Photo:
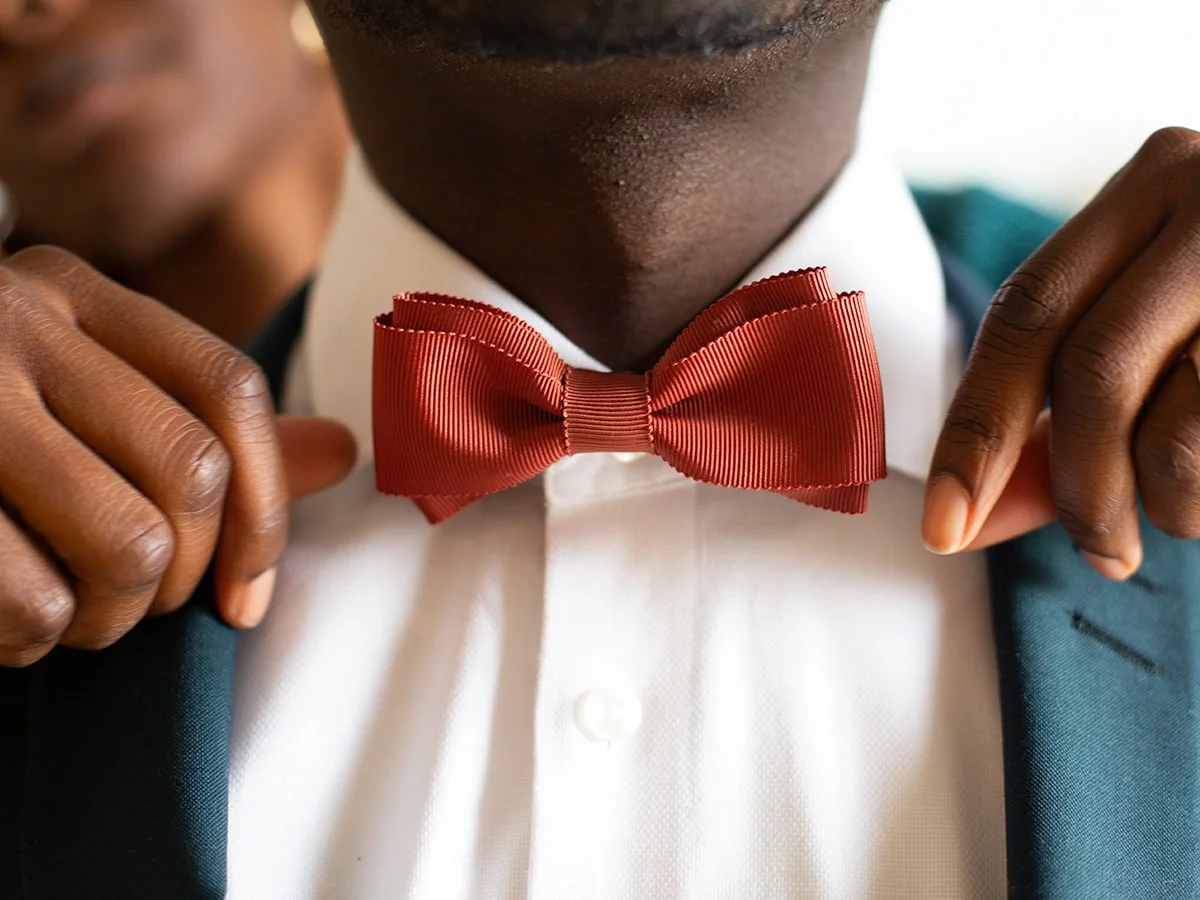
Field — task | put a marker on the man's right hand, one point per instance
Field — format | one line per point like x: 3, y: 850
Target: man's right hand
x: 134, y: 446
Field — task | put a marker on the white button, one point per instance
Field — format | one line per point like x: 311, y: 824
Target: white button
x: 608, y: 714
x: 627, y: 457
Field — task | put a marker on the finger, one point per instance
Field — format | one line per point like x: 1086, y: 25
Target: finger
x: 36, y: 602
x: 1167, y: 454
x: 150, y: 439
x: 230, y: 394
x: 318, y: 453
x: 1027, y: 502
x: 222, y: 387
x: 111, y: 540
x: 1108, y: 366
x: 1007, y: 377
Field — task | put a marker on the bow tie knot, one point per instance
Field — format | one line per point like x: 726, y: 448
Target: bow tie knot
x: 606, y: 412
x: 775, y: 387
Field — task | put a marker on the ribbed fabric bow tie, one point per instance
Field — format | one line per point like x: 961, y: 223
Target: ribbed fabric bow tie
x: 775, y: 387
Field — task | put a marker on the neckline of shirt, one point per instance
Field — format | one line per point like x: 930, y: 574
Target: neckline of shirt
x: 866, y: 230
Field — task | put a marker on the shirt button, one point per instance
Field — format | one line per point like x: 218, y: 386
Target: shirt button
x: 627, y: 457
x: 608, y: 714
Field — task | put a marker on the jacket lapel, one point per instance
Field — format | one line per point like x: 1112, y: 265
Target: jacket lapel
x: 1098, y: 692
x: 115, y: 780
x: 1099, y: 696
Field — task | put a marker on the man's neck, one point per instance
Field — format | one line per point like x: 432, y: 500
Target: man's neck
x: 618, y: 199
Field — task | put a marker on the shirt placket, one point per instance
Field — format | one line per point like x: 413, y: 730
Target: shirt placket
x: 612, y: 719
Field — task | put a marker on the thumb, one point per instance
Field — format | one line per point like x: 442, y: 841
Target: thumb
x: 1026, y: 502
x: 317, y: 453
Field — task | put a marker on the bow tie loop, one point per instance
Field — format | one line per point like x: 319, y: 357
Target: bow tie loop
x: 783, y: 402
x: 466, y: 400
x: 775, y: 387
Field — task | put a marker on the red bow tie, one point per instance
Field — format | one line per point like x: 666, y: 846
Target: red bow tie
x: 775, y: 387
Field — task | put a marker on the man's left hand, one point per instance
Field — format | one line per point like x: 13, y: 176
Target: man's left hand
x: 1103, y: 322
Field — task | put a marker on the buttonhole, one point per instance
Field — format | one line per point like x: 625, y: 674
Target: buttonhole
x: 1088, y: 628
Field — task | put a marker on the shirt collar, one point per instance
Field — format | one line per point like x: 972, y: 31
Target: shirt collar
x: 866, y: 230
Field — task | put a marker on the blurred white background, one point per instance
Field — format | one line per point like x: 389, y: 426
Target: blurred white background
x: 1043, y: 98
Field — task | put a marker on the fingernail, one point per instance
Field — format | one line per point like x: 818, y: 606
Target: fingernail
x: 947, y: 506
x: 1110, y: 567
x: 249, y: 603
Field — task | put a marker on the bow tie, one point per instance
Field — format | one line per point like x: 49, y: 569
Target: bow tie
x: 775, y: 387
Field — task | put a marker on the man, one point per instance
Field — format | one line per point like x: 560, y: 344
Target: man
x: 613, y: 680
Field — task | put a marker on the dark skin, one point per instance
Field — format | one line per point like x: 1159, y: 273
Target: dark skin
x: 618, y: 193
x: 1101, y: 322
x: 618, y: 200
x: 128, y: 136
x: 193, y: 151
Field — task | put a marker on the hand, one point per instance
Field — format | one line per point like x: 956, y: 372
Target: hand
x: 134, y: 446
x: 1100, y: 321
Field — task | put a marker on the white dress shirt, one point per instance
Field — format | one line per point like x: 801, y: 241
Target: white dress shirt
x: 613, y: 683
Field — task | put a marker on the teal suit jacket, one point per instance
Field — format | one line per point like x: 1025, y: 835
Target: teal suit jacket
x: 113, y: 766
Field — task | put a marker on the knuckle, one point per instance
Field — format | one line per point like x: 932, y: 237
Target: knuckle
x: 139, y: 558
x: 1027, y: 306
x: 1089, y: 524
x: 44, y: 258
x: 268, y: 530
x: 1168, y: 146
x: 50, y: 267
x: 11, y: 295
x: 40, y: 619
x: 975, y: 425
x: 38, y: 287
x: 1168, y: 463
x: 20, y: 310
x: 1091, y: 372
x: 239, y: 382
x: 207, y: 468
x: 1169, y: 458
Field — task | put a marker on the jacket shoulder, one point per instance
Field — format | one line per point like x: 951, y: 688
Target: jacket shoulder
x: 986, y: 232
